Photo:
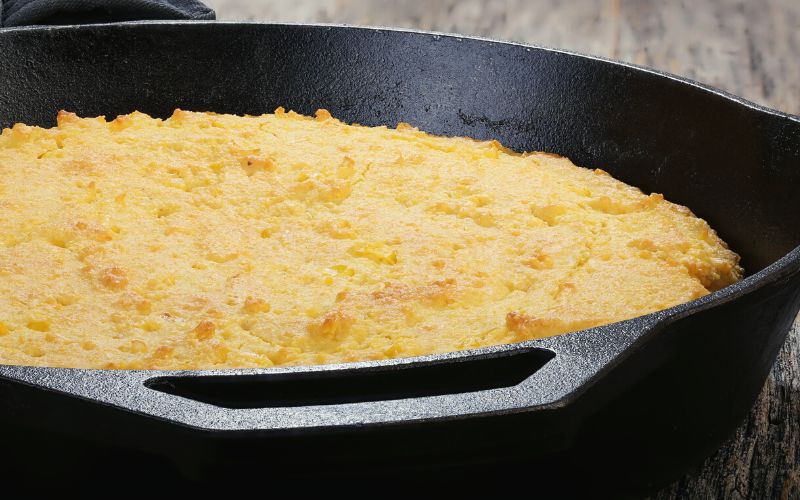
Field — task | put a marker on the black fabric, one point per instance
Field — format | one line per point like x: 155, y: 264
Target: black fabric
x: 28, y: 12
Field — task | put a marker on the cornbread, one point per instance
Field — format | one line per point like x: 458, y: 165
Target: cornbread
x: 210, y: 241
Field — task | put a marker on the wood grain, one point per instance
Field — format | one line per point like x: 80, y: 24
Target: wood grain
x: 748, y: 48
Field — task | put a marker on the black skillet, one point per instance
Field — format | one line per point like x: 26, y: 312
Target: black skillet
x: 630, y: 405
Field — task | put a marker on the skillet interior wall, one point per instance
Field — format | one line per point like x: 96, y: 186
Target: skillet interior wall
x: 732, y: 165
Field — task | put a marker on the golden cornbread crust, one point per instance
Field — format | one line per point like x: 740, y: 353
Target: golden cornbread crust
x: 215, y: 241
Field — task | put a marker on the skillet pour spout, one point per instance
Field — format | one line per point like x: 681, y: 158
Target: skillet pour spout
x: 628, y: 407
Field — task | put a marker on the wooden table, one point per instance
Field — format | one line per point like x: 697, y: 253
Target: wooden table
x: 748, y: 48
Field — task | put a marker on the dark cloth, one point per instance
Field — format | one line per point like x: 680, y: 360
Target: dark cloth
x: 28, y: 12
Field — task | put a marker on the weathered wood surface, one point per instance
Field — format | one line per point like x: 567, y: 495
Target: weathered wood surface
x: 749, y: 48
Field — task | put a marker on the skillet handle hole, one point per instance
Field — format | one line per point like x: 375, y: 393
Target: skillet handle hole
x: 330, y: 387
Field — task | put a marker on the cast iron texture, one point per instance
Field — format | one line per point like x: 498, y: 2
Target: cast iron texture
x: 635, y: 403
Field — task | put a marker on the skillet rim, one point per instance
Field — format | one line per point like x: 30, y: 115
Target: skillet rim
x: 457, y: 36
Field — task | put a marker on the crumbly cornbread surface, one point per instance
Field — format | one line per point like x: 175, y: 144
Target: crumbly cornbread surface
x: 211, y: 241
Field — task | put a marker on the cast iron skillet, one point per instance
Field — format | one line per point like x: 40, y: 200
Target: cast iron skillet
x: 631, y: 404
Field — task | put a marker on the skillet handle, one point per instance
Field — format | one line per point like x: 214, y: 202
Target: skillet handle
x: 562, y: 368
x: 49, y: 12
